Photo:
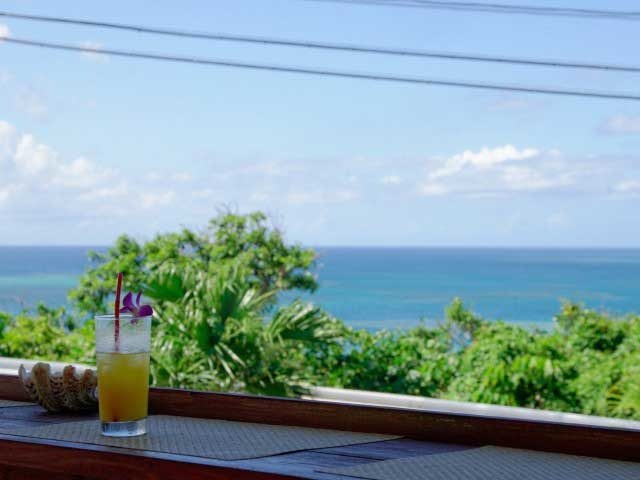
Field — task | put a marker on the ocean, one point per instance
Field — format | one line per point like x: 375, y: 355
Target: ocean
x: 377, y: 288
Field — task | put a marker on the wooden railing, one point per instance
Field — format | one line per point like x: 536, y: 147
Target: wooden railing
x: 596, y: 441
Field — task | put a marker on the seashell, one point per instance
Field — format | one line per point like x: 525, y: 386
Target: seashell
x: 60, y: 391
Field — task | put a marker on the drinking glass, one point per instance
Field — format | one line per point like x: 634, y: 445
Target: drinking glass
x: 122, y: 351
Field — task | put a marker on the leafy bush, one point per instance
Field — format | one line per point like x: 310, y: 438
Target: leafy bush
x: 48, y: 335
x: 415, y: 362
x: 508, y: 365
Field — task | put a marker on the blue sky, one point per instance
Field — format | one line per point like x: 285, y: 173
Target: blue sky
x: 91, y: 146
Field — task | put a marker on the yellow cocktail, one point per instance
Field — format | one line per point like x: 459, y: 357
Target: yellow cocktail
x: 122, y: 354
x: 123, y: 391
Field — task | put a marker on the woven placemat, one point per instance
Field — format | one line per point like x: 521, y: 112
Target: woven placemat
x: 495, y: 463
x: 12, y: 403
x: 219, y: 439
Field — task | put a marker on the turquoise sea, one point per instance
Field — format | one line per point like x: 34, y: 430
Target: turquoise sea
x: 396, y: 287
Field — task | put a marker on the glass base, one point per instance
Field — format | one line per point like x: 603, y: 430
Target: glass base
x: 124, y: 429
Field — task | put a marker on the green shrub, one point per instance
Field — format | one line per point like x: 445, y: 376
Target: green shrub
x: 48, y: 335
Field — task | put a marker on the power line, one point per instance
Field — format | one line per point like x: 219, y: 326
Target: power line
x: 499, y: 8
x: 325, y: 72
x: 563, y: 11
x: 328, y: 46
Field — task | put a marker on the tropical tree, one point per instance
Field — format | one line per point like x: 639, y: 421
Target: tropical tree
x: 248, y: 241
x: 211, y: 332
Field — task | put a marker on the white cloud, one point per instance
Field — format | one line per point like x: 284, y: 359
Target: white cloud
x: 31, y: 158
x: 4, y: 31
x: 85, y: 200
x: 25, y: 161
x: 622, y: 125
x: 35, y: 181
x: 391, y: 180
x: 485, y: 158
x: 30, y: 161
x: 497, y: 171
x: 81, y: 173
x: 91, y: 51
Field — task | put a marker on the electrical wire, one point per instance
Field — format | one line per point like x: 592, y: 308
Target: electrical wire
x: 329, y: 46
x: 498, y: 8
x: 325, y: 72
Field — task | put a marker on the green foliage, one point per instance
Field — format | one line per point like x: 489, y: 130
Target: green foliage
x: 470, y: 359
x: 272, y: 264
x: 589, y: 330
x: 608, y: 367
x: 218, y: 326
x: 509, y: 365
x: 243, y: 241
x: 47, y: 334
x: 462, y: 322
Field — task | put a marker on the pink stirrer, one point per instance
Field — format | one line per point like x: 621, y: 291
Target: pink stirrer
x: 117, y: 311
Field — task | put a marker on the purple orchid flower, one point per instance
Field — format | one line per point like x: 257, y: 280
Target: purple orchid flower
x: 135, y: 309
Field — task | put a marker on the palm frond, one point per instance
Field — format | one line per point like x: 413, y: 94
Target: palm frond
x: 303, y: 322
